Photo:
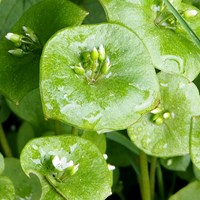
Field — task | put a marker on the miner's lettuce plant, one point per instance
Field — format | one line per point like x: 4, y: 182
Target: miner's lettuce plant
x: 93, y: 91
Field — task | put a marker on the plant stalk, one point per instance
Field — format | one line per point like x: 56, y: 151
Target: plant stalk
x: 160, y: 183
x: 4, y: 143
x: 152, y: 176
x: 183, y: 22
x: 145, y: 183
x: 74, y: 131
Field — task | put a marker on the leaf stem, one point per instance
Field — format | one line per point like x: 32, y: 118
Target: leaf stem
x: 152, y: 175
x: 4, y: 143
x: 183, y: 22
x: 74, y: 131
x: 160, y: 182
x: 145, y: 183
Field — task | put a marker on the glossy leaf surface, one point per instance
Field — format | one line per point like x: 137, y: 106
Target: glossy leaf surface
x: 181, y: 99
x: 92, y: 179
x: 115, y: 100
x: 171, y: 50
x: 19, y: 75
x: 25, y: 188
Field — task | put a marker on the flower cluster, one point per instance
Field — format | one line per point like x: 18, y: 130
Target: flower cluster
x: 94, y: 64
x: 24, y: 44
x: 159, y: 115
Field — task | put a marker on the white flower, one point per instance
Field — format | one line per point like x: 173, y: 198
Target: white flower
x: 111, y: 167
x: 61, y: 164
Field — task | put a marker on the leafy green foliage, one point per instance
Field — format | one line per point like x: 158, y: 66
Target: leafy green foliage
x: 180, y: 98
x: 145, y: 18
x: 111, y: 102
x: 92, y: 178
x: 18, y: 76
x: 7, y: 189
x: 2, y: 165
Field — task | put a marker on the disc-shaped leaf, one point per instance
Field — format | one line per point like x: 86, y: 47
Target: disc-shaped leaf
x: 112, y: 102
x: 170, y: 48
x: 50, y: 157
x: 194, y: 141
x: 7, y: 190
x: 19, y: 75
x: 167, y: 133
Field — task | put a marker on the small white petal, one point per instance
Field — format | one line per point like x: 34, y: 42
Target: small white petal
x: 9, y: 35
x: 111, y: 167
x: 105, y: 156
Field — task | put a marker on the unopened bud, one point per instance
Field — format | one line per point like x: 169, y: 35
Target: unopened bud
x: 17, y: 52
x: 166, y: 115
x: 30, y: 33
x: 102, y: 53
x: 15, y: 38
x: 159, y: 121
x: 73, y: 169
x: 190, y: 13
x: 78, y: 70
x: 85, y: 56
x: 156, y: 110
x: 94, y: 54
x: 106, y: 66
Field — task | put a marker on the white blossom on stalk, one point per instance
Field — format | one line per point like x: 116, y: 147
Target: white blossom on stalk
x: 61, y: 164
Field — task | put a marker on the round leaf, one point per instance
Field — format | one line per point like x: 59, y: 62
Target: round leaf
x: 25, y: 188
x: 171, y: 50
x: 18, y: 76
x: 93, y: 179
x: 7, y: 190
x: 181, y: 99
x: 115, y: 100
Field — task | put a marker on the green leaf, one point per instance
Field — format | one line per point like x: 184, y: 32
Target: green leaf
x: 4, y: 110
x: 98, y: 139
x: 25, y: 188
x: 179, y: 163
x: 7, y: 190
x: 92, y: 178
x: 24, y: 134
x: 194, y: 141
x: 191, y: 191
x: 11, y: 11
x: 180, y: 99
x: 171, y: 50
x: 19, y: 75
x: 2, y: 165
x: 109, y: 102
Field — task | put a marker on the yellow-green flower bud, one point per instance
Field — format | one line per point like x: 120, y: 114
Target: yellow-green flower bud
x: 190, y: 13
x: 78, y: 70
x: 94, y: 54
x: 156, y: 110
x: 15, y: 38
x: 159, y: 121
x: 85, y: 56
x: 17, y: 52
x: 166, y: 115
x: 106, y: 66
x: 102, y: 53
x: 30, y: 33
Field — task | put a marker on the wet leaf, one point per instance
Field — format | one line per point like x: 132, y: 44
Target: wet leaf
x: 45, y: 156
x: 112, y: 102
x: 170, y: 48
x: 180, y: 98
x: 7, y: 190
x: 19, y: 75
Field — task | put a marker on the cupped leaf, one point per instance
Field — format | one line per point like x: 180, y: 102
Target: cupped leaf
x: 7, y: 190
x: 191, y: 191
x: 89, y: 98
x: 178, y: 163
x: 2, y: 165
x: 19, y: 75
x: 69, y: 167
x: 194, y: 141
x: 11, y: 11
x: 165, y: 131
x: 170, y: 48
x: 25, y: 188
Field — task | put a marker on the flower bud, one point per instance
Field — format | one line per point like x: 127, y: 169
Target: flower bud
x: 106, y: 66
x: 156, y: 110
x: 78, y: 70
x: 102, y: 53
x: 17, y: 52
x: 159, y: 121
x: 15, y: 38
x: 94, y: 54
x: 190, y: 13
x: 30, y: 33
x: 166, y: 115
x: 85, y: 56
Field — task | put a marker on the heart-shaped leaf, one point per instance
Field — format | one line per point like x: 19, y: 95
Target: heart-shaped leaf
x: 167, y: 42
x: 102, y: 93
x: 165, y: 131
x: 19, y: 75
x: 69, y: 167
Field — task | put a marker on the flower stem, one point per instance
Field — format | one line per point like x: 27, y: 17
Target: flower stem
x: 152, y: 175
x: 74, y: 131
x: 160, y: 183
x: 145, y: 183
x: 4, y: 143
x: 183, y: 22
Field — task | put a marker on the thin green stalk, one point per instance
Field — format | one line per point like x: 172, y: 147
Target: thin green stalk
x: 160, y: 183
x: 152, y: 175
x: 183, y: 23
x: 74, y: 131
x: 144, y: 180
x: 4, y: 143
